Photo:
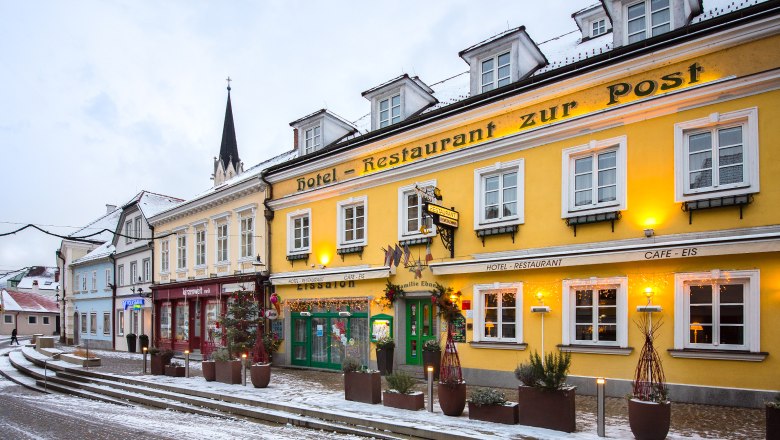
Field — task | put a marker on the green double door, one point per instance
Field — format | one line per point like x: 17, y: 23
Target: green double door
x: 419, y: 328
x: 313, y: 344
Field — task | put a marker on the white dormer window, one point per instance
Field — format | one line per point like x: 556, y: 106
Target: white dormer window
x: 496, y: 72
x: 598, y: 27
x: 648, y: 18
x: 312, y: 140
x: 389, y: 111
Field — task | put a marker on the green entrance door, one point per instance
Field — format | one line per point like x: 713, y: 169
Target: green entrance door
x: 313, y: 344
x: 419, y: 328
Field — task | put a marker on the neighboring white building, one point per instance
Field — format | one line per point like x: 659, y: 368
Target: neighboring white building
x: 77, y: 245
x: 132, y: 275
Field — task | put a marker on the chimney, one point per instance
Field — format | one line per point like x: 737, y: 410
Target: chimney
x: 57, y: 275
x: 295, y: 138
x: 35, y: 286
x: 110, y: 208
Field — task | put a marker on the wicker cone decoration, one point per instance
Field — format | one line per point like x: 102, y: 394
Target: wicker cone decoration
x: 450, y: 372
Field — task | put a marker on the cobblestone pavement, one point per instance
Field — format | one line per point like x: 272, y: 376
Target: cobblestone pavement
x: 694, y: 421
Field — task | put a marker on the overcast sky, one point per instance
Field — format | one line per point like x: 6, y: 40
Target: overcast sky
x: 100, y: 100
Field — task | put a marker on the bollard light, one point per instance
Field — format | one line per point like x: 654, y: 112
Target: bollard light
x: 243, y: 365
x: 600, y: 396
x: 430, y: 389
x: 144, y: 350
x: 186, y: 363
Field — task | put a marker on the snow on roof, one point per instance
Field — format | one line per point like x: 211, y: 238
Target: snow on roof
x: 560, y: 51
x: 11, y: 275
x: 108, y: 221
x: 45, y: 277
x: 101, y: 251
x: 251, y: 173
x: 14, y: 301
x: 152, y: 204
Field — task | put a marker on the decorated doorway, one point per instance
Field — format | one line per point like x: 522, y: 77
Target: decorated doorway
x: 313, y: 341
x: 419, y: 328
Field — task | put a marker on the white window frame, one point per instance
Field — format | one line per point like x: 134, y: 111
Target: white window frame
x: 748, y: 118
x: 247, y: 236
x: 94, y: 281
x: 137, y: 228
x: 76, y: 281
x: 147, y: 269
x: 93, y: 323
x: 648, y: 20
x: 483, y: 87
x: 403, y: 234
x: 480, y: 175
x: 8, y: 319
x: 45, y: 320
x: 569, y: 310
x: 120, y: 322
x: 133, y: 272
x: 223, y: 242
x: 341, y: 232
x: 120, y: 275
x: 83, y: 282
x: 200, y: 247
x: 598, y: 27
x: 108, y: 278
x: 84, y: 324
x: 106, y: 323
x: 479, y: 312
x: 181, y: 251
x: 752, y: 308
x: 312, y: 138
x: 291, y: 217
x: 165, y: 256
x: 128, y: 231
x: 32, y: 319
x: 381, y: 123
x: 620, y: 146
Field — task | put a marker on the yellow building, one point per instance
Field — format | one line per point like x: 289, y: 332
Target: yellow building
x: 208, y: 247
x: 630, y: 168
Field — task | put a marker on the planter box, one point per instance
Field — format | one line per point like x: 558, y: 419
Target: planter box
x: 649, y: 420
x: 158, y: 364
x: 363, y: 387
x: 507, y: 414
x: 412, y: 402
x: 45, y: 342
x: 772, y: 423
x: 78, y: 360
x: 174, y: 371
x: 547, y: 409
x: 452, y: 399
x: 431, y: 358
x: 261, y: 375
x: 384, y: 360
x: 228, y: 372
x: 209, y: 370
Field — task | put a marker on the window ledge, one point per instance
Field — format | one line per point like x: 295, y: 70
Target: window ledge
x: 595, y: 349
x: 414, y: 241
x: 246, y: 259
x: 181, y: 270
x: 723, y: 355
x: 200, y: 266
x: 499, y: 345
x: 302, y: 255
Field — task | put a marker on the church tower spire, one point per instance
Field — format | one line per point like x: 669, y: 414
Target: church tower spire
x: 228, y: 164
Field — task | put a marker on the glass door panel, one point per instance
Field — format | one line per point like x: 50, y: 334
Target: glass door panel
x: 299, y: 341
x: 320, y: 338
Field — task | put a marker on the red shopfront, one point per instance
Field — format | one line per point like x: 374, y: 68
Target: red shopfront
x: 187, y: 315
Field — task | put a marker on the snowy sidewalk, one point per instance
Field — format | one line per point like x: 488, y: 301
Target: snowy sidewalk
x: 323, y: 390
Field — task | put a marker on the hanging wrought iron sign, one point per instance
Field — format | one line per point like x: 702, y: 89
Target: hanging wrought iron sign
x: 447, y: 221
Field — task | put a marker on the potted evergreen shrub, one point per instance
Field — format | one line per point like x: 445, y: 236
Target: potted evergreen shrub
x: 773, y: 419
x: 143, y: 340
x: 159, y: 359
x: 431, y: 352
x: 452, y: 387
x: 649, y: 408
x: 239, y: 326
x: 260, y: 370
x: 360, y: 383
x: 174, y: 369
x: 544, y: 399
x: 400, y: 392
x: 385, y: 349
x: 131, y: 342
x: 490, y: 405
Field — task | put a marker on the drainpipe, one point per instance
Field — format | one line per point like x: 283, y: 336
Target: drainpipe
x: 64, y: 338
x: 153, y: 324
x: 268, y: 213
x: 113, y: 303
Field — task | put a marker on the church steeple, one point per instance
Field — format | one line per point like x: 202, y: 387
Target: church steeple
x: 228, y: 164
